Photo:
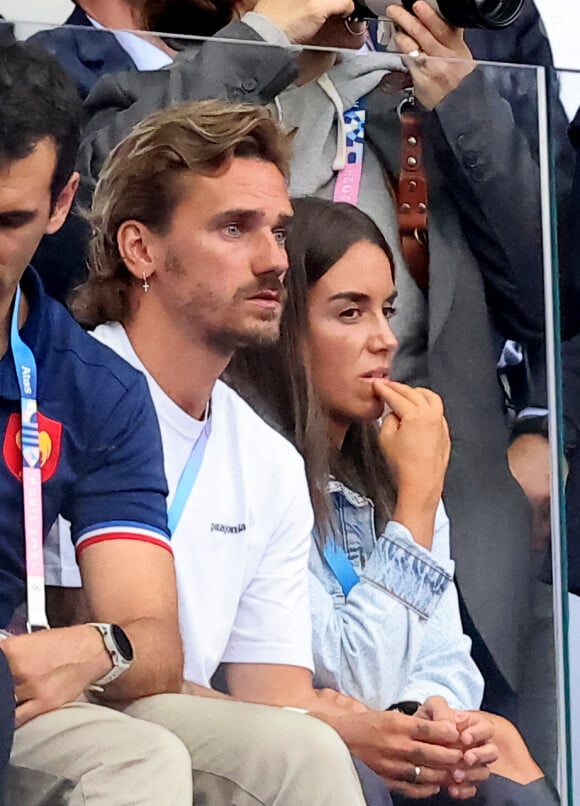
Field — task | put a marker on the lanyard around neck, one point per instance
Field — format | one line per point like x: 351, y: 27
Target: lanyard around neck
x: 349, y: 179
x: 188, y: 477
x: 26, y: 372
x: 340, y: 565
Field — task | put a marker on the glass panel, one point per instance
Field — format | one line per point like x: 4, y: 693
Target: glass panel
x: 458, y: 184
x: 565, y: 146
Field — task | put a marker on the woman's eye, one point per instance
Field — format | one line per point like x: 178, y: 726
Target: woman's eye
x: 233, y: 230
x: 350, y: 314
x: 389, y: 311
x: 280, y: 236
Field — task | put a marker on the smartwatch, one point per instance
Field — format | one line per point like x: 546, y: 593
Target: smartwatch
x: 119, y: 648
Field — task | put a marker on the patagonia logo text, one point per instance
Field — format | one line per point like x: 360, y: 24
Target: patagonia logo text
x: 228, y: 530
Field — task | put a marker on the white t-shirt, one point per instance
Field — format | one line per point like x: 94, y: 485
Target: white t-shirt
x: 241, y: 546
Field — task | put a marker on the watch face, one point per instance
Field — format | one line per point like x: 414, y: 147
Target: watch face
x: 122, y: 642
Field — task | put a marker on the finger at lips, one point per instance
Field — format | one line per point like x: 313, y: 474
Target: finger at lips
x: 415, y: 396
x: 400, y: 404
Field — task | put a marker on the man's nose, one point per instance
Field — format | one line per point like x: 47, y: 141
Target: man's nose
x: 270, y: 255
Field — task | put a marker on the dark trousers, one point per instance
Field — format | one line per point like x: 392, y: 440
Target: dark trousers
x: 6, y: 719
x: 374, y: 788
x: 497, y: 791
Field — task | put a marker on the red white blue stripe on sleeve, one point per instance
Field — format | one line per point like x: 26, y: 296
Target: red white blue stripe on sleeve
x: 122, y: 530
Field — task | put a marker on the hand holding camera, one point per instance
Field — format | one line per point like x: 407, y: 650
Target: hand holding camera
x: 426, y: 33
x: 302, y: 19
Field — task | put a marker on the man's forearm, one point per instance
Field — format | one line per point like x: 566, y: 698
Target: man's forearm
x: 158, y: 664
x: 187, y: 687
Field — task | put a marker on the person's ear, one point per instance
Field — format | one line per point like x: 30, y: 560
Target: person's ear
x: 138, y: 248
x: 63, y: 203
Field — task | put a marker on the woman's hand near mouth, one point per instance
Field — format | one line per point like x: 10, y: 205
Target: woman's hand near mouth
x: 414, y: 438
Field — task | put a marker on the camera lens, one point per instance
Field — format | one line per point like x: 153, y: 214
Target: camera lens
x: 490, y: 14
x: 462, y: 13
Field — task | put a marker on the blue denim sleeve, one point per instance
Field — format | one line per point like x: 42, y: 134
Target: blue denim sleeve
x: 368, y: 645
x: 444, y: 665
x: 403, y: 569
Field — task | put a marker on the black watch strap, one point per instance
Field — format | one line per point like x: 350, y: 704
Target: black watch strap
x: 408, y: 707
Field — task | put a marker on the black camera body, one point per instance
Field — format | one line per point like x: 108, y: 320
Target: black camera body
x: 491, y: 14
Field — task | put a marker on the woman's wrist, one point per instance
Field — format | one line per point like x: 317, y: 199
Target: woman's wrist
x: 417, y: 514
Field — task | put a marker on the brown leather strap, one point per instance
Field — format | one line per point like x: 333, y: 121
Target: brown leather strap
x: 411, y: 191
x: 412, y: 197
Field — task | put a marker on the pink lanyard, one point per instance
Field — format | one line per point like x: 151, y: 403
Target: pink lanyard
x: 25, y: 365
x: 349, y: 179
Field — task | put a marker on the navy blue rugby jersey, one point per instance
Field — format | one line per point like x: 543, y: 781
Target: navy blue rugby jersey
x: 101, y: 454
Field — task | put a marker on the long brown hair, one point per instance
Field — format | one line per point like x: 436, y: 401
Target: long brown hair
x: 276, y: 381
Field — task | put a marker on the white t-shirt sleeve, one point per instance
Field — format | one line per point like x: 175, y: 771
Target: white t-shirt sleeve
x: 273, y: 623
x: 61, y: 569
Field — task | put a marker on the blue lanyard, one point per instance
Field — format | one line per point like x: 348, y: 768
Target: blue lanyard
x: 188, y: 478
x: 26, y: 372
x: 24, y: 360
x: 340, y: 565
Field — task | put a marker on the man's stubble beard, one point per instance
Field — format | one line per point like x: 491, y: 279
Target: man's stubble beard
x: 228, y: 340
x: 256, y: 335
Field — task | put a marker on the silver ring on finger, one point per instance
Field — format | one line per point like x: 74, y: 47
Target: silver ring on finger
x: 417, y: 775
x: 417, y: 55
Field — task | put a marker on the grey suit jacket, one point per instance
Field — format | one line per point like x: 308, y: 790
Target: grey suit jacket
x: 212, y: 70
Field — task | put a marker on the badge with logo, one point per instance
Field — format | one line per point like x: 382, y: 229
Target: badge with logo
x: 50, y: 436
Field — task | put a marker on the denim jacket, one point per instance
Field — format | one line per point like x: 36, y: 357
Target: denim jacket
x: 397, y: 636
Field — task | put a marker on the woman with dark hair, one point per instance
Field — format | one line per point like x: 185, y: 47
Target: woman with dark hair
x: 386, y: 619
